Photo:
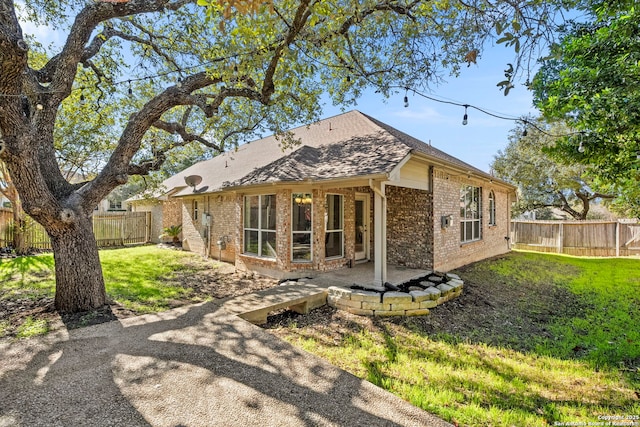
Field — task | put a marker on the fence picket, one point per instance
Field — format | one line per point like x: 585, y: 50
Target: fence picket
x: 111, y: 229
x: 581, y: 238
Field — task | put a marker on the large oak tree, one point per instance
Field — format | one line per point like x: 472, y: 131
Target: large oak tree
x: 544, y: 181
x: 134, y: 80
x: 592, y: 83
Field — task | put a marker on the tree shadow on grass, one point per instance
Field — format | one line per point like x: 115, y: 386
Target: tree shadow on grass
x: 191, y: 366
x: 20, y: 266
x: 509, y: 383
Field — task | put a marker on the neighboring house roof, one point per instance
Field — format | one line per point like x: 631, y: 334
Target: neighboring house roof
x: 344, y: 146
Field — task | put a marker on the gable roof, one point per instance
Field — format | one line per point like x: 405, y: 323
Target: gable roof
x: 344, y: 146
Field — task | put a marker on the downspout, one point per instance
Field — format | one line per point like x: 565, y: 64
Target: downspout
x: 207, y: 247
x: 510, y: 201
x: 380, y: 219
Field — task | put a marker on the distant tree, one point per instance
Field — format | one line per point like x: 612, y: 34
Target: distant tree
x: 542, y: 180
x: 591, y: 82
x: 136, y: 79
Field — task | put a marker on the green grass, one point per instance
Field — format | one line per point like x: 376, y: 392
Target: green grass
x: 32, y: 327
x: 501, y: 373
x: 606, y: 329
x: 139, y: 278
x: 588, y: 364
x: 28, y: 277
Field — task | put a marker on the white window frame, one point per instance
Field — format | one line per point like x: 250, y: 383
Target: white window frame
x: 492, y: 208
x: 470, y: 213
x: 339, y: 230
x: 194, y: 209
x: 306, y: 199
x: 260, y: 230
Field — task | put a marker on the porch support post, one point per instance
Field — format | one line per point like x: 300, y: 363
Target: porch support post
x: 380, y: 224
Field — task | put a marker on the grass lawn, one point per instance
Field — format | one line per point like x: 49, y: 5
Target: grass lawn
x: 136, y: 277
x: 138, y: 280
x: 535, y: 340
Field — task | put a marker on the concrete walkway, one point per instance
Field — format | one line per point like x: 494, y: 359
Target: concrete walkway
x: 193, y: 366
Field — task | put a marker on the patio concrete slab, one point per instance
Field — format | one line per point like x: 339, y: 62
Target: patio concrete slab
x: 193, y: 366
x: 362, y: 274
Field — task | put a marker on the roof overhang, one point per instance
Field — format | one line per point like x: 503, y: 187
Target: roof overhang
x: 356, y: 181
x: 458, y: 170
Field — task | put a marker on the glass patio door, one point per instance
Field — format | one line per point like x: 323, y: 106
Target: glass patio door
x: 362, y: 227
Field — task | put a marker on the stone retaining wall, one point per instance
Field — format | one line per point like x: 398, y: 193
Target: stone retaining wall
x: 390, y: 303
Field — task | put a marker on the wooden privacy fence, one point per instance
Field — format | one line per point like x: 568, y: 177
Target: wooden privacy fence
x: 580, y: 238
x: 111, y: 229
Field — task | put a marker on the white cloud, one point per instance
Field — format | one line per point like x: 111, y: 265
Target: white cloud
x: 423, y: 113
x: 44, y: 34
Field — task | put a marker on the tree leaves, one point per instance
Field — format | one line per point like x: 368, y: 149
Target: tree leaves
x: 543, y: 180
x: 592, y: 82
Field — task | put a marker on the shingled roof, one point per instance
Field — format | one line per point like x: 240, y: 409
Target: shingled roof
x: 344, y: 146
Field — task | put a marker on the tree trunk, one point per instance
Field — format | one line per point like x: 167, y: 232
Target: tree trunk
x: 79, y: 281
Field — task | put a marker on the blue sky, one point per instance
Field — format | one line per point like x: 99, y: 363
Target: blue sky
x: 479, y: 141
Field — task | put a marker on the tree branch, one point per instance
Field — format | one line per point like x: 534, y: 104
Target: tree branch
x: 186, y: 136
x: 302, y: 14
x: 75, y: 48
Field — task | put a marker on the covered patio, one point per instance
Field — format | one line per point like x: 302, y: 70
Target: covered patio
x: 363, y: 274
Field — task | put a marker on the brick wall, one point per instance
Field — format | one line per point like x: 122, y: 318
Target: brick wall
x: 194, y: 233
x: 171, y: 213
x: 224, y: 219
x: 415, y: 237
x: 409, y: 227
x: 449, y: 253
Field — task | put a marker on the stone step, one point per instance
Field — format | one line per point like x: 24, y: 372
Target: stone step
x: 255, y: 307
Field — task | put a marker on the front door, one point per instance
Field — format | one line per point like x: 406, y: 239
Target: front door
x: 362, y: 227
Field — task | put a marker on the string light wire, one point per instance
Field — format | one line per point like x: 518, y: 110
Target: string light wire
x: 466, y: 106
x: 488, y: 113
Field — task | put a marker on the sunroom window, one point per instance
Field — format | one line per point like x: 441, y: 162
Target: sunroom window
x: 334, y: 241
x: 260, y: 225
x: 470, y: 214
x: 492, y: 208
x: 301, y: 229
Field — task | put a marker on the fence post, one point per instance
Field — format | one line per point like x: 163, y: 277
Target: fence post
x: 617, y: 238
x: 147, y: 228
x: 560, y: 237
x: 122, y: 219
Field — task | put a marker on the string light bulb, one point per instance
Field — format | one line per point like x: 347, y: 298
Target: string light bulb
x: 130, y: 91
x: 406, y: 101
x: 580, y: 148
x: 39, y: 106
x: 465, y: 118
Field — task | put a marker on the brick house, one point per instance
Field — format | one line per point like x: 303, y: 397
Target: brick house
x: 354, y: 190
